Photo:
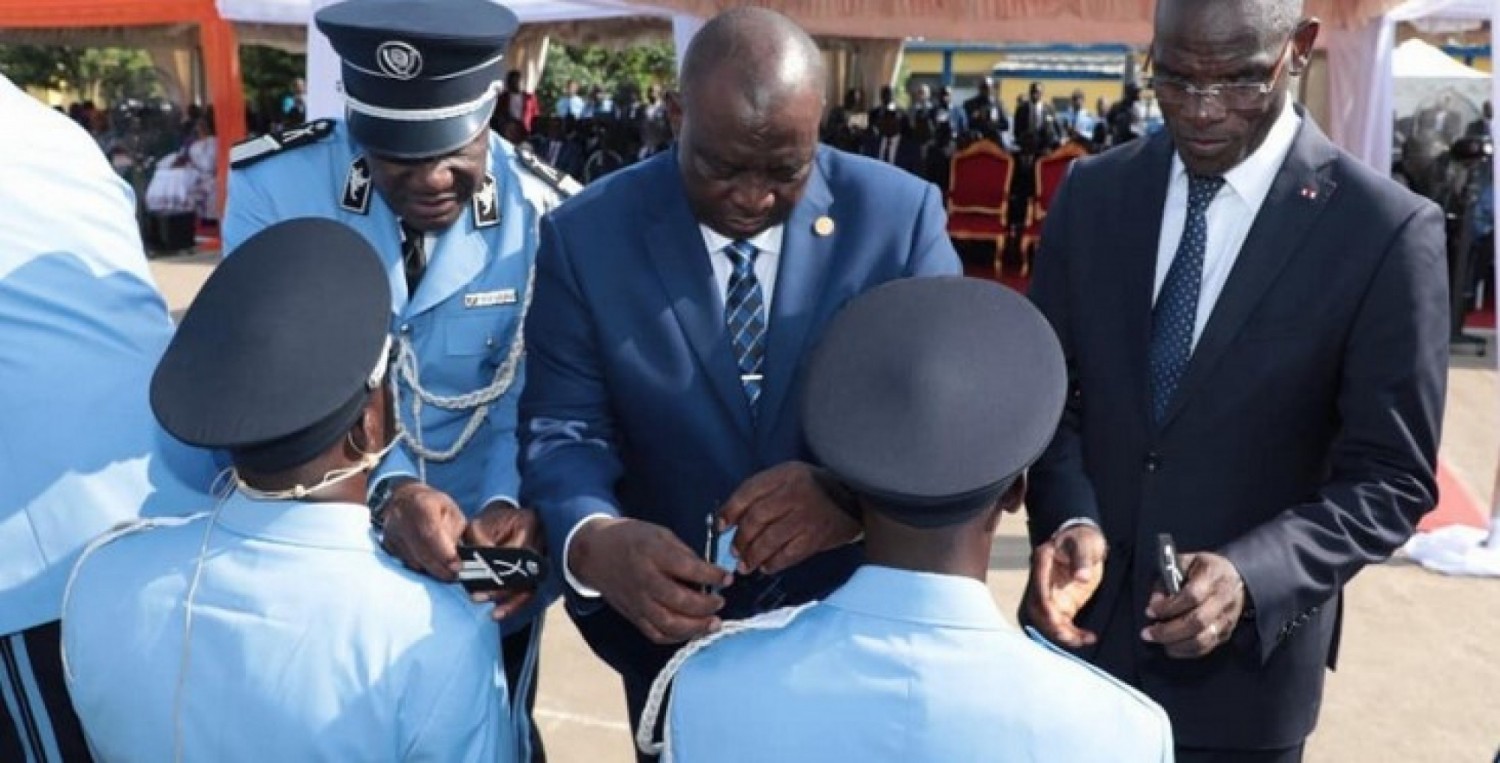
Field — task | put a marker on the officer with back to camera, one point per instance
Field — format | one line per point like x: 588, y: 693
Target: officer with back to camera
x: 453, y: 211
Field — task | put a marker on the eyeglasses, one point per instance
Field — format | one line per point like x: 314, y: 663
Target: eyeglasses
x: 1173, y: 92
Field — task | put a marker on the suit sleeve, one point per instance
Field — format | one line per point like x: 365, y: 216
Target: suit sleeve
x: 250, y: 208
x: 1383, y: 475
x: 569, y: 462
x: 1058, y: 488
x: 932, y: 251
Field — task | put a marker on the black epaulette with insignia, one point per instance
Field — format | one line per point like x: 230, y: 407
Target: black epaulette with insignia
x: 560, y: 181
x: 248, y: 152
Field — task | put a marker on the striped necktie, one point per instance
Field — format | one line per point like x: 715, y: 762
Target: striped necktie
x: 413, y: 256
x: 745, y: 314
x: 1176, y: 312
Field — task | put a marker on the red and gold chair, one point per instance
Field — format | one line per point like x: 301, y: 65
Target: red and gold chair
x: 979, y: 193
x: 1050, y: 171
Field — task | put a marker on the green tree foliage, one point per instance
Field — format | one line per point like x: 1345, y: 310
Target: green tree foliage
x: 638, y: 65
x: 103, y: 75
x: 268, y: 74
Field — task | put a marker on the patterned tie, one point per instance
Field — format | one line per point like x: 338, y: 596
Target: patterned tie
x: 413, y: 256
x: 1176, y: 309
x: 745, y: 313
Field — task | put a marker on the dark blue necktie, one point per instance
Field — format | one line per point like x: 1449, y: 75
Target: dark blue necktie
x: 1176, y: 308
x: 745, y: 313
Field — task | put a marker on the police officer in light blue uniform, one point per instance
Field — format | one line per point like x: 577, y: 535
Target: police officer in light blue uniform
x: 453, y: 211
x: 81, y: 327
x: 272, y: 627
x: 928, y: 397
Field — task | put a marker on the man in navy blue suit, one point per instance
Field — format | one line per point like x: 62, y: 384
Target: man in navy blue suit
x: 1256, y: 333
x: 675, y: 302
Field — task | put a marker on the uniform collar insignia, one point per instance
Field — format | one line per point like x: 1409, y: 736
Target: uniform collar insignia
x: 486, y: 204
x: 356, y: 195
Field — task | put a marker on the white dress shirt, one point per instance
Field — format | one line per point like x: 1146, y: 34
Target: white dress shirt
x: 1229, y: 215
x: 767, y: 264
x: 1229, y: 218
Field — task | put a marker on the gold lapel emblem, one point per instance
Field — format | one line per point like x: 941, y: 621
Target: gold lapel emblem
x: 823, y: 226
x: 486, y: 204
x: 356, y: 196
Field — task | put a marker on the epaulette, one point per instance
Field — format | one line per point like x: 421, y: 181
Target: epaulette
x: 645, y: 734
x: 559, y: 181
x: 248, y: 152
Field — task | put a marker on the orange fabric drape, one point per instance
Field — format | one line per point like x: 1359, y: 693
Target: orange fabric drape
x: 216, y: 38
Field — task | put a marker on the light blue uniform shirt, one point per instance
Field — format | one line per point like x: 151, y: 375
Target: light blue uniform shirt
x: 81, y: 329
x: 904, y: 666
x: 464, y: 317
x: 308, y: 643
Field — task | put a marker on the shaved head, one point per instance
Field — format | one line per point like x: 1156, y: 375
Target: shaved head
x: 762, y: 54
x: 752, y: 102
x: 1275, y: 20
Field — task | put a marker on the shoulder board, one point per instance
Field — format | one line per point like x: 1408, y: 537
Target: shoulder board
x: 127, y: 527
x: 560, y: 182
x: 645, y: 733
x: 1037, y: 638
x: 248, y: 152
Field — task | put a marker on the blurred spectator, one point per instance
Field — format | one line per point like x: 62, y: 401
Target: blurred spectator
x: 570, y: 104
x: 599, y: 104
x: 887, y: 103
x: 891, y: 144
x: 516, y: 104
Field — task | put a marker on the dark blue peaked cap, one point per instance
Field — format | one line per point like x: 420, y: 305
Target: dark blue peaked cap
x: 929, y: 396
x: 420, y: 77
x: 273, y: 359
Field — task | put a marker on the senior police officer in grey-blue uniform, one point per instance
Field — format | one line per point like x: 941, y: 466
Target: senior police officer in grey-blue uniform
x: 929, y: 398
x: 271, y: 626
x: 453, y: 211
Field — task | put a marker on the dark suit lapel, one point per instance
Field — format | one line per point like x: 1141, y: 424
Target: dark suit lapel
x: 800, y: 276
x: 681, y: 261
x: 1298, y: 195
x: 1141, y: 213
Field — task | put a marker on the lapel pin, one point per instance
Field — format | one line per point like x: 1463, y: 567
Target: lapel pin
x: 823, y: 226
x: 1309, y: 193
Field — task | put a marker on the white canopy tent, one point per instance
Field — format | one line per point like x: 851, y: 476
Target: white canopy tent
x: 1420, y: 71
x: 1361, y: 78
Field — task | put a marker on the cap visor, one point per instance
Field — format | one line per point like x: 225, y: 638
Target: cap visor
x: 417, y: 140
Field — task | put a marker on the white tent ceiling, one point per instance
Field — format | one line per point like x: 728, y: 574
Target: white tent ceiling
x: 1417, y: 59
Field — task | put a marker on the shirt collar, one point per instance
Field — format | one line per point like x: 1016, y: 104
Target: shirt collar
x: 768, y: 240
x: 949, y: 601
x: 299, y: 523
x: 1251, y: 179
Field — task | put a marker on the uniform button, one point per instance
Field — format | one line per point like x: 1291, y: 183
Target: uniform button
x: 1153, y: 462
x: 489, y: 341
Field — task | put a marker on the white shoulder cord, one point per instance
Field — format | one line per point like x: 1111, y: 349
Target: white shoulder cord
x: 407, y: 370
x: 645, y: 734
x: 223, y: 487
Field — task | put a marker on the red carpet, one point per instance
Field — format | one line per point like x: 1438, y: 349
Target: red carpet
x: 207, y: 237
x: 1457, y: 505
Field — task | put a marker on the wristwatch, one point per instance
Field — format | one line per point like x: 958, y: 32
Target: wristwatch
x: 381, y: 496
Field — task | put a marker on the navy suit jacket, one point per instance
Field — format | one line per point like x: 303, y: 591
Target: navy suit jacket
x: 633, y: 404
x: 1301, y: 443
